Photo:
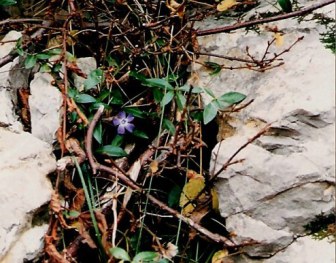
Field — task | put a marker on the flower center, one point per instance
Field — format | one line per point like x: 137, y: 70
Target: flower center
x: 123, y: 122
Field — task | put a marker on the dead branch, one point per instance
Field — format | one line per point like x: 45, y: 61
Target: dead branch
x: 249, y: 141
x: 229, y: 28
x: 120, y: 175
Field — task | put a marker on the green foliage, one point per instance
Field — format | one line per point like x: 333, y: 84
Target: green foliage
x: 286, y: 5
x: 120, y: 253
x: 141, y: 257
x: 322, y: 226
x: 220, y: 103
x: 95, y: 77
x: 328, y: 38
x: 7, y: 2
x: 113, y: 151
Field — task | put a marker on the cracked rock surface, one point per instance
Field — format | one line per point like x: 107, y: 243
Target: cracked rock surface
x: 25, y: 162
x: 287, y: 176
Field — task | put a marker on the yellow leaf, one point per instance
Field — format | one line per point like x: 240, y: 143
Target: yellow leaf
x: 279, y: 39
x: 189, y: 192
x: 219, y: 256
x: 214, y: 200
x: 225, y: 5
x: 154, y: 166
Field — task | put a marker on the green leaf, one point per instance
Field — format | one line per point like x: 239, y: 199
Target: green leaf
x: 210, y: 112
x: 45, y: 68
x: 285, y: 5
x: 180, y: 100
x: 146, y: 256
x: 167, y: 124
x: 7, y: 2
x: 117, y: 140
x: 54, y: 51
x: 158, y: 83
x: 120, y: 253
x: 112, y: 62
x: 229, y: 99
x: 113, y: 151
x: 30, y: 61
x: 57, y: 67
x: 138, y: 76
x: 174, y: 196
x: 84, y: 98
x: 19, y: 48
x: 98, y: 133
x: 210, y: 92
x: 43, y: 56
x: 140, y: 134
x: 72, y: 92
x: 167, y: 98
x: 216, y: 68
x: 136, y: 112
x: 197, y: 116
x: 194, y: 90
x: 72, y: 214
x: 95, y: 77
x: 158, y: 95
x: 103, y: 95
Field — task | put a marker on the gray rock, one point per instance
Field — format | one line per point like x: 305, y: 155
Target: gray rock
x: 28, y: 246
x: 86, y: 64
x: 45, y: 104
x: 25, y: 162
x: 287, y: 176
x: 12, y: 77
x: 9, y: 44
x: 303, y: 250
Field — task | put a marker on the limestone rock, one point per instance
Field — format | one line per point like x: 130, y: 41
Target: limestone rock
x: 28, y: 246
x: 12, y: 77
x: 303, y: 250
x: 86, y: 64
x: 25, y: 162
x: 287, y: 176
x: 45, y: 104
x: 9, y: 44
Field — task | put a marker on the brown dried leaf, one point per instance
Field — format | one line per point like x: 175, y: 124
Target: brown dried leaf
x: 78, y: 200
x: 60, y: 139
x: 73, y: 146
x: 87, y: 238
x: 75, y: 69
x: 102, y: 225
x: 170, y: 251
x: 52, y: 252
x: 68, y: 184
x: 55, y: 203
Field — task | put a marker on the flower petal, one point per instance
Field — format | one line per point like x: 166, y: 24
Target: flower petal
x: 121, y: 129
x: 121, y: 115
x: 130, y: 118
x: 130, y: 127
x: 116, y: 121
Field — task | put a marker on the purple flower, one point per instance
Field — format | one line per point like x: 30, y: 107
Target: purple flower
x: 123, y: 122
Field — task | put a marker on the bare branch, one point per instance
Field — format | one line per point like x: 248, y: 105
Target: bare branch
x: 116, y: 174
x: 301, y: 12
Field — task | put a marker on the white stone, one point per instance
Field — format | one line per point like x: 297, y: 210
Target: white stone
x: 247, y: 228
x: 9, y: 43
x: 45, y: 104
x: 303, y: 250
x: 87, y: 65
x: 287, y: 176
x: 25, y: 162
x: 28, y: 246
